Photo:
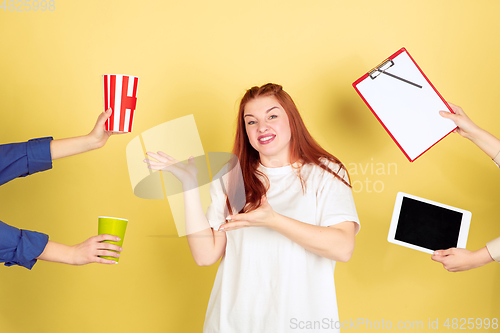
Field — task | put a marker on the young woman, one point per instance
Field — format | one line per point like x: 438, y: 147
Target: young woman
x: 279, y: 251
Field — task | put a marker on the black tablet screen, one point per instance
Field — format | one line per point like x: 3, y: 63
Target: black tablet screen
x: 428, y: 226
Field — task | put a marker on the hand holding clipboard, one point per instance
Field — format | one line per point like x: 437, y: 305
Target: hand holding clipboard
x: 406, y: 103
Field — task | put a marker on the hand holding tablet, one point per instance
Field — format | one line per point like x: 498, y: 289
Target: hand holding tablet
x: 459, y: 260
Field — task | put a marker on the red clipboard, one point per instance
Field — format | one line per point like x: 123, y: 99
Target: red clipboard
x: 406, y: 103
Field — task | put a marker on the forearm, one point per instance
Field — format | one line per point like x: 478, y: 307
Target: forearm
x: 482, y: 256
x: 329, y: 242
x: 57, y: 252
x: 72, y: 146
x: 202, y: 239
x: 486, y: 142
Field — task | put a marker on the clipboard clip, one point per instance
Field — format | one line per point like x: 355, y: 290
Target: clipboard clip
x: 383, y: 67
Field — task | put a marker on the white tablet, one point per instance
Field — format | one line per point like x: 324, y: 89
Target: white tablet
x: 426, y: 225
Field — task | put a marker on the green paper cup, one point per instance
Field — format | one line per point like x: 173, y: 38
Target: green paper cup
x: 112, y: 226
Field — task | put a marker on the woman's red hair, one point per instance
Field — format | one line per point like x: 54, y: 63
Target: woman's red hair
x: 303, y: 148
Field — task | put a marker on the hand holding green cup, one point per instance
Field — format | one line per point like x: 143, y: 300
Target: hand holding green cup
x: 112, y: 226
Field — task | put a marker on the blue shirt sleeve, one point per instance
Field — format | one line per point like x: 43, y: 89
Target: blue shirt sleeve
x: 20, y: 247
x: 24, y: 158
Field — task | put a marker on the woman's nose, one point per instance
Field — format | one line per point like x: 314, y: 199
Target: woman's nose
x: 263, y: 127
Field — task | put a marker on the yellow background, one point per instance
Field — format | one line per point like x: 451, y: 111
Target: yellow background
x: 198, y: 57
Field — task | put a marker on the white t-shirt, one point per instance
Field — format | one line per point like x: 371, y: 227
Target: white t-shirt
x: 265, y: 281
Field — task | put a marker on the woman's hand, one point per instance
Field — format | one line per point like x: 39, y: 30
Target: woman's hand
x: 71, y: 146
x: 458, y: 260
x: 466, y: 126
x: 264, y: 216
x: 90, y: 250
x: 186, y: 173
x: 98, y: 135
x: 468, y: 129
x: 83, y: 253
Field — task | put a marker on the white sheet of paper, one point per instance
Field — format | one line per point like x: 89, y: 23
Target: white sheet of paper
x: 409, y: 113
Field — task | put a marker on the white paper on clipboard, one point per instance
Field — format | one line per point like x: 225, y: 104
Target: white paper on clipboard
x: 408, y: 113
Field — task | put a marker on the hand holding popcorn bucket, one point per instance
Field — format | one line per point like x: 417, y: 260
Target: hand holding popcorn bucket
x: 120, y: 94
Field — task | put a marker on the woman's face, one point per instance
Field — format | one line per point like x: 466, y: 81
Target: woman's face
x: 268, y: 130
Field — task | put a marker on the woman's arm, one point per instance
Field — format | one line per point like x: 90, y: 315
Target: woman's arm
x: 206, y: 245
x: 71, y: 146
x: 458, y: 260
x: 455, y: 259
x: 335, y: 242
x: 26, y: 158
x: 468, y: 129
x: 83, y: 253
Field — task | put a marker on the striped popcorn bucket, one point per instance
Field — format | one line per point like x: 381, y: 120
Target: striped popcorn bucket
x: 120, y: 94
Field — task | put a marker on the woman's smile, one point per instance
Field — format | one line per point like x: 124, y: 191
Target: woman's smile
x: 266, y: 139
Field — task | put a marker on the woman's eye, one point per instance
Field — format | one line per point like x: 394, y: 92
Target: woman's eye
x: 273, y: 116
x: 251, y: 122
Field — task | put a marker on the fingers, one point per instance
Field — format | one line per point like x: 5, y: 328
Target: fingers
x: 445, y: 252
x: 230, y: 226
x: 457, y: 109
x: 90, y: 250
x: 100, y: 260
x: 160, y: 163
x: 446, y: 114
x: 107, y: 250
x: 107, y: 253
x: 104, y: 116
x: 105, y: 237
x: 155, y: 165
x: 108, y: 112
x: 170, y: 158
x: 237, y: 217
x: 438, y: 258
x: 456, y: 118
x: 162, y: 157
x: 443, y: 256
x: 108, y: 246
x: 156, y: 156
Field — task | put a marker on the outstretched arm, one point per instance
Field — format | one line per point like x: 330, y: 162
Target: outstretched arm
x: 26, y: 158
x: 97, y: 138
x: 206, y: 245
x: 455, y: 259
